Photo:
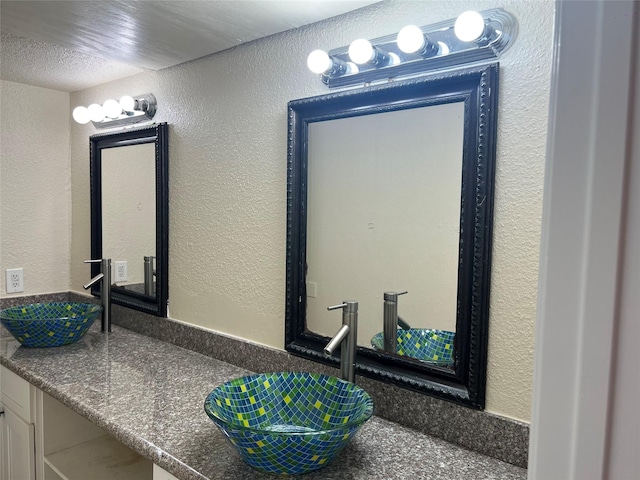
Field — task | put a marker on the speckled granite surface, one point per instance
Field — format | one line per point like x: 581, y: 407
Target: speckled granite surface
x: 149, y: 394
x: 482, y: 432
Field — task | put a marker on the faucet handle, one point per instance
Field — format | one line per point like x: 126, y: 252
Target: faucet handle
x: 349, y: 306
x: 393, y: 296
x: 336, y: 307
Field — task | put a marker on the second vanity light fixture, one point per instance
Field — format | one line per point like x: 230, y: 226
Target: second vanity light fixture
x: 114, y: 113
x: 471, y: 37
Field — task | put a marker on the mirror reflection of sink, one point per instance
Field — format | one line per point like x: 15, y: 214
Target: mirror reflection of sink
x: 425, y: 344
x: 288, y: 422
x: 49, y: 324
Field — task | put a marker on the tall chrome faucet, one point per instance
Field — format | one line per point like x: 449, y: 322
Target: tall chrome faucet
x: 391, y: 321
x: 348, y: 337
x: 149, y: 275
x: 105, y: 291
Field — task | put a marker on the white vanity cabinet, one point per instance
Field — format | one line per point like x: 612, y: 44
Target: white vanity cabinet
x: 18, y: 428
x: 44, y: 440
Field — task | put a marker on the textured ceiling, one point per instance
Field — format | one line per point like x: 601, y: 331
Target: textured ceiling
x: 72, y: 45
x: 32, y: 62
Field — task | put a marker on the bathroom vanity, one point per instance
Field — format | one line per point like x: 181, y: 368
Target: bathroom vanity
x: 125, y: 405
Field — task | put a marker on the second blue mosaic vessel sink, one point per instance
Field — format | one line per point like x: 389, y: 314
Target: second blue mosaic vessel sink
x: 49, y: 324
x: 288, y: 422
x: 429, y: 345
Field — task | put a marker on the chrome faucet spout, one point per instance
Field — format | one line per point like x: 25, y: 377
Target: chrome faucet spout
x: 336, y: 340
x: 105, y: 292
x: 347, y: 338
x: 93, y: 281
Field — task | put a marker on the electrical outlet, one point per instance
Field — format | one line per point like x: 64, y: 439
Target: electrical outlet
x: 121, y: 271
x: 15, y: 280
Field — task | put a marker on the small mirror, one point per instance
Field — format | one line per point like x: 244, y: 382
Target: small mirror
x: 129, y: 215
x: 391, y: 190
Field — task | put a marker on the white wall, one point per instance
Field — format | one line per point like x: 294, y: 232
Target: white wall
x: 585, y: 418
x: 227, y: 175
x: 129, y: 205
x: 383, y: 214
x: 35, y: 187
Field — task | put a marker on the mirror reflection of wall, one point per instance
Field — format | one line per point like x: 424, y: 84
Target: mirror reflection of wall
x: 384, y: 215
x: 129, y: 210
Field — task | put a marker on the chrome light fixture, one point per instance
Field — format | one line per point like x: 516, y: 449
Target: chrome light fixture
x: 112, y: 113
x: 472, y: 37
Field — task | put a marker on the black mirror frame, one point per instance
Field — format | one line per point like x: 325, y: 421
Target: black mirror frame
x: 159, y: 135
x: 478, y: 88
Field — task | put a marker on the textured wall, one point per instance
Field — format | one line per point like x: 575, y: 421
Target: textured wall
x: 227, y: 174
x: 35, y: 187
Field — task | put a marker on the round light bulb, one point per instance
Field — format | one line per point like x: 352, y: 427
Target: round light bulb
x: 96, y: 112
x: 81, y: 115
x: 361, y: 51
x: 112, y: 109
x: 410, y: 39
x: 127, y: 103
x: 469, y: 26
x: 443, y: 48
x: 318, y: 61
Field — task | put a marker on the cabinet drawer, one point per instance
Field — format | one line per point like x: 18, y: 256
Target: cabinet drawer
x: 16, y: 394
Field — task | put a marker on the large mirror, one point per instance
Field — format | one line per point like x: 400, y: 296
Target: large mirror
x: 129, y: 215
x: 390, y: 190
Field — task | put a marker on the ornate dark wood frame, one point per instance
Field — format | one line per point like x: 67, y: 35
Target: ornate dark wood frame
x: 478, y: 89
x: 159, y: 135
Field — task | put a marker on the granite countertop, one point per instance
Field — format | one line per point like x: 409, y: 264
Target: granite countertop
x: 150, y: 394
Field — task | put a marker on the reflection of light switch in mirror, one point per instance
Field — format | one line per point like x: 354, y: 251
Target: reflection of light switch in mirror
x: 121, y: 271
x: 312, y: 289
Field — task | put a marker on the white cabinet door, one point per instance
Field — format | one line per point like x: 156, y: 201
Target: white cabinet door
x: 18, y: 452
x: 161, y: 474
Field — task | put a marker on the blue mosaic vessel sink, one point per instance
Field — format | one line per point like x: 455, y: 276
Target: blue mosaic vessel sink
x: 428, y: 345
x: 49, y: 324
x: 288, y: 422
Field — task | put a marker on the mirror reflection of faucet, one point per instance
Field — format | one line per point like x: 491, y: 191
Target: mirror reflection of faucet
x: 105, y: 291
x: 149, y: 276
x: 391, y: 321
x: 347, y: 337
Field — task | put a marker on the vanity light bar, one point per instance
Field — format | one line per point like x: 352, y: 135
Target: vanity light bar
x: 113, y: 113
x: 472, y: 36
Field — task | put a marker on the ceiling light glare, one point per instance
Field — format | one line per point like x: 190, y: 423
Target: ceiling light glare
x: 361, y: 51
x: 81, y: 115
x: 469, y: 26
x: 96, y: 112
x: 410, y: 39
x: 318, y: 61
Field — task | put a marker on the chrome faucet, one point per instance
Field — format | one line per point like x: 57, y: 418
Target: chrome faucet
x: 105, y: 291
x: 391, y: 321
x: 149, y: 275
x: 348, y: 337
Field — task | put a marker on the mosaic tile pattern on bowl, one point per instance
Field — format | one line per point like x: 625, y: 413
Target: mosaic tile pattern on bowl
x: 49, y: 324
x: 428, y: 345
x: 289, y: 422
